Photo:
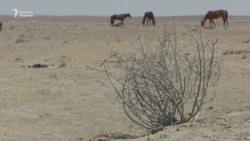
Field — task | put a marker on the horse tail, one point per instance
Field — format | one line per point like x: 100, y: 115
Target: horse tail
x: 226, y: 18
x: 226, y: 14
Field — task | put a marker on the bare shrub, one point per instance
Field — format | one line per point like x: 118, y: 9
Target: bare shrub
x: 160, y: 87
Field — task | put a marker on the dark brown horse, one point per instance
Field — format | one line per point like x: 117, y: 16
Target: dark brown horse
x: 211, y: 15
x: 150, y: 18
x: 120, y: 17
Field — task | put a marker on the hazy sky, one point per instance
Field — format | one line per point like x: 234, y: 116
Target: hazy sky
x: 135, y: 7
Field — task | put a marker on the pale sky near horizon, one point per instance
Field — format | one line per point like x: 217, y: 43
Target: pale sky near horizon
x: 135, y: 7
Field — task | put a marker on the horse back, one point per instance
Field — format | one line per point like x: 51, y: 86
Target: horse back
x: 113, y: 16
x: 216, y: 14
x: 149, y: 15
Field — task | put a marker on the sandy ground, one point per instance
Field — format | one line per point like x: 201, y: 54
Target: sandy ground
x: 67, y: 101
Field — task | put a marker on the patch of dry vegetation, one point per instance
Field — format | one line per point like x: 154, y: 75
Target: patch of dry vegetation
x: 156, y: 87
x: 230, y: 52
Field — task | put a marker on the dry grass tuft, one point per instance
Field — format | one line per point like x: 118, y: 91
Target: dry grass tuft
x: 228, y: 52
x: 246, y: 41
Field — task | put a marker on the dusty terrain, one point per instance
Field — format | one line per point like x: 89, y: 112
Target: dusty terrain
x: 65, y: 100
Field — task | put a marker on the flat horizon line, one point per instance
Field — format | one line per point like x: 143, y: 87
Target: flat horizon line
x: 44, y: 15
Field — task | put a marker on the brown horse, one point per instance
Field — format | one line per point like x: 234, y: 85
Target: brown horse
x: 120, y: 17
x: 150, y: 18
x: 211, y: 15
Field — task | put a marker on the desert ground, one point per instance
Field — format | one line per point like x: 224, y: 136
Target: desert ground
x: 51, y: 89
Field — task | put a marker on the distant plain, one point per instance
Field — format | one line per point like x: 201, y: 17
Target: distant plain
x: 67, y: 100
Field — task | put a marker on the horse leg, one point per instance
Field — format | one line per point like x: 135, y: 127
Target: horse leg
x: 225, y: 23
x: 225, y: 19
x: 213, y: 23
x: 210, y: 23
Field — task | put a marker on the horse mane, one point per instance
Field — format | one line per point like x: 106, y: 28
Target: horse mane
x: 206, y: 15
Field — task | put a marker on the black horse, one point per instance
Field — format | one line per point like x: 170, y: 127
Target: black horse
x: 120, y: 17
x: 150, y: 18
